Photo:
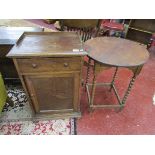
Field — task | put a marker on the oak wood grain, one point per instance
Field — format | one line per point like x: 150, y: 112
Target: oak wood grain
x: 47, y: 44
x: 116, y: 51
x: 52, y: 82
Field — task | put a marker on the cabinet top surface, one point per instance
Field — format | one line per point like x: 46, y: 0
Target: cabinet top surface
x: 116, y: 51
x: 9, y: 35
x: 47, y: 44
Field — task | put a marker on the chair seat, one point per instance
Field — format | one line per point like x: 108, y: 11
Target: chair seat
x: 113, y: 26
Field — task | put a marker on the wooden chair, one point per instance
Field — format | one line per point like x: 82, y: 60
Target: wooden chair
x: 87, y: 28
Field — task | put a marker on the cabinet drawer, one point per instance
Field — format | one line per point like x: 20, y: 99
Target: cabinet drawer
x: 34, y: 65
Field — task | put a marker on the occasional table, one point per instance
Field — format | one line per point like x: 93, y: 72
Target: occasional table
x: 107, y: 52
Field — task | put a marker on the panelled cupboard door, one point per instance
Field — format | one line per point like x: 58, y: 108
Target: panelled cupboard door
x: 54, y: 93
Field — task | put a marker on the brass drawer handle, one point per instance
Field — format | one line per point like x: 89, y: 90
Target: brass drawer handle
x: 65, y: 64
x: 34, y: 65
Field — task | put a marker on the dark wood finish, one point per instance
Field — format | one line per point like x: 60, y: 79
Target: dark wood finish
x: 50, y: 70
x: 107, y: 52
x: 141, y: 30
x: 42, y: 43
x: 86, y: 28
x: 7, y: 68
x: 116, y: 51
x: 139, y: 36
x: 80, y: 23
x: 4, y: 49
x: 36, y: 65
x: 143, y: 24
x: 8, y: 37
x: 59, y: 96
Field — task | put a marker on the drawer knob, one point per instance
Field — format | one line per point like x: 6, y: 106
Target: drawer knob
x: 65, y: 64
x: 34, y: 65
x: 32, y: 95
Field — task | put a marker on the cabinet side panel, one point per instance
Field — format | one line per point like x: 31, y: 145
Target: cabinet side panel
x: 23, y: 84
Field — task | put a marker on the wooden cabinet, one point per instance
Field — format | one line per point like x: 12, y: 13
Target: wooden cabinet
x: 8, y: 37
x: 49, y: 65
x: 141, y: 30
x: 52, y: 83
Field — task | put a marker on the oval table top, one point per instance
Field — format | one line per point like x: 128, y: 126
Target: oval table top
x: 116, y: 51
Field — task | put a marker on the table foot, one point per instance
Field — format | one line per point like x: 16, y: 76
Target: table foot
x: 119, y: 109
x: 90, y: 110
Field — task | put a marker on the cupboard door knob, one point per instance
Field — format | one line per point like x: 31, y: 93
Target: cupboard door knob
x: 65, y: 64
x: 32, y: 95
x: 34, y: 65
